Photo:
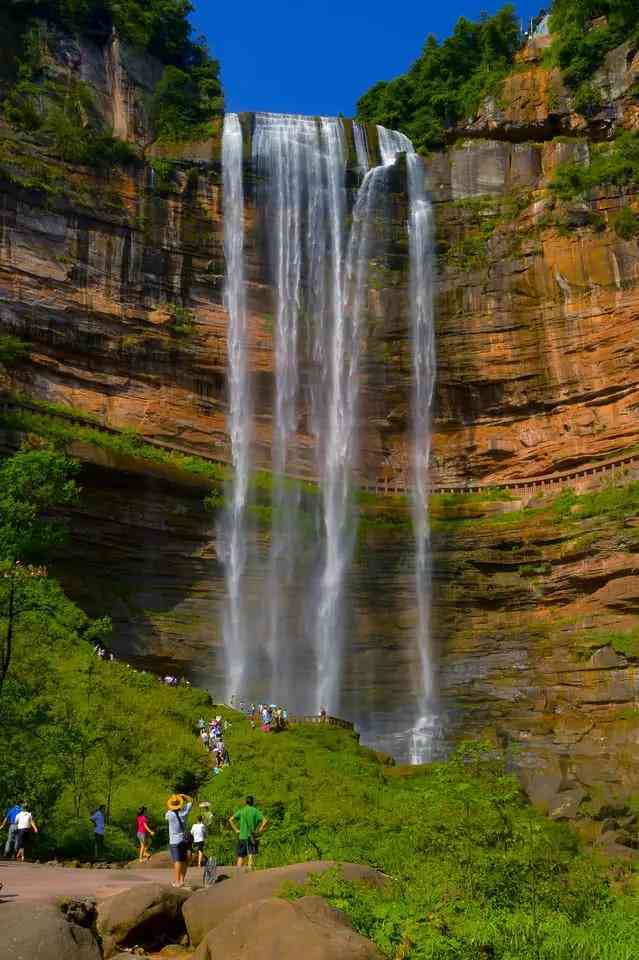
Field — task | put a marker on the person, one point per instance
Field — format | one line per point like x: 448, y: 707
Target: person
x: 143, y: 830
x: 24, y: 825
x: 248, y: 822
x: 204, y: 737
x: 207, y: 816
x: 10, y: 847
x: 201, y: 724
x: 179, y: 806
x: 198, y: 832
x: 99, y: 822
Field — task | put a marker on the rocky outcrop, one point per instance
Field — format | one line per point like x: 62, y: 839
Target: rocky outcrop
x: 38, y: 931
x: 206, y: 910
x: 275, y: 930
x: 148, y: 914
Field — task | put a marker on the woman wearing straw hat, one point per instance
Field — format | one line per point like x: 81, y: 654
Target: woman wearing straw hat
x: 179, y: 806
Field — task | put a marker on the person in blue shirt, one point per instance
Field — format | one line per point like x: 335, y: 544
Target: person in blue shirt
x: 10, y: 847
x: 99, y: 823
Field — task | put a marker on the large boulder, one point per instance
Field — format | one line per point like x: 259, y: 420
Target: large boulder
x: 148, y: 915
x: 207, y: 908
x: 40, y: 931
x: 274, y: 929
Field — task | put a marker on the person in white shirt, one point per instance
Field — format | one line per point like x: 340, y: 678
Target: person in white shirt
x: 24, y: 825
x: 198, y: 832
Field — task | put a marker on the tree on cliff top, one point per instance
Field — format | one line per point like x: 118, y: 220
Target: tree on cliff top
x: 159, y: 27
x: 447, y: 82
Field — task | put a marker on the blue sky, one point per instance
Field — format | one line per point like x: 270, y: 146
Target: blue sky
x: 319, y: 56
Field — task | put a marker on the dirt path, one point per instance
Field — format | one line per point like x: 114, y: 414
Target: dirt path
x: 29, y: 882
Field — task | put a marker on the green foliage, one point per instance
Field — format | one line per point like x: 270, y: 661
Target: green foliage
x: 76, y: 730
x: 61, y: 111
x: 13, y: 349
x: 615, y: 164
x: 473, y: 872
x: 182, y: 323
x: 31, y: 483
x: 625, y: 642
x: 448, y: 81
x: 184, y: 102
x: 616, y: 502
x: 587, y: 99
x: 61, y: 432
x: 186, y: 98
x: 625, y: 224
x: 578, y: 47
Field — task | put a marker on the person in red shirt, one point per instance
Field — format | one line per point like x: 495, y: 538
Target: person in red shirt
x: 143, y: 831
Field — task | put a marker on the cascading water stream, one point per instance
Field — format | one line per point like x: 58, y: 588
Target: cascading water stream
x: 420, y: 241
x: 240, y: 413
x: 319, y: 268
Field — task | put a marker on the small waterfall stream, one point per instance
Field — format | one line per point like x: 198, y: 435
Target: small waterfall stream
x: 233, y: 535
x: 318, y: 256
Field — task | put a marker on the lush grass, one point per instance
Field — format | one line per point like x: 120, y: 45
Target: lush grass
x: 611, y: 164
x: 127, y: 442
x: 474, y: 871
x: 625, y: 642
x: 616, y: 502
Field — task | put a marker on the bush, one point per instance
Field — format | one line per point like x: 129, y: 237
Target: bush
x: 578, y: 47
x: 587, y: 99
x: 13, y: 349
x: 614, y: 164
x: 183, y: 103
x: 625, y: 224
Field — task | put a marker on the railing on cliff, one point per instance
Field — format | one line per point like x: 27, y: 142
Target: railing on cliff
x: 330, y: 721
x: 524, y: 486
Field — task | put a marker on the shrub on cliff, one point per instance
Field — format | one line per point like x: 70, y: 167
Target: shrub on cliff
x: 580, y: 45
x: 611, y: 164
x: 448, y: 81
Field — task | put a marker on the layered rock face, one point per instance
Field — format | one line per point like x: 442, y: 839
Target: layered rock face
x: 535, y: 356
x: 117, y: 284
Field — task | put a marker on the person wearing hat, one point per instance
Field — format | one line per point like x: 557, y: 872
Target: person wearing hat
x: 178, y: 809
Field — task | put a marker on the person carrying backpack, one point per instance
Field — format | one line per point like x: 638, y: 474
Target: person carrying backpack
x: 179, y: 806
x: 248, y: 822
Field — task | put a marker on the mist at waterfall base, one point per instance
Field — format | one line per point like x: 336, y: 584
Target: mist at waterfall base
x: 290, y: 594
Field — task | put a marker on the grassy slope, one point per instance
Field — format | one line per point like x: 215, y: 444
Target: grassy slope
x: 476, y: 872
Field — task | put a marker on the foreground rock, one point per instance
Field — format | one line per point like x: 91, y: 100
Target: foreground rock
x: 40, y: 931
x: 206, y: 909
x: 274, y: 929
x: 149, y: 915
x: 157, y: 861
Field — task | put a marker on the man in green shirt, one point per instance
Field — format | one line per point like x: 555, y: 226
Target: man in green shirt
x: 248, y: 822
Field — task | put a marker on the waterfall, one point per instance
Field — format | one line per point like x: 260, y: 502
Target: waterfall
x: 420, y: 239
x: 233, y: 535
x: 420, y: 242
x: 318, y: 260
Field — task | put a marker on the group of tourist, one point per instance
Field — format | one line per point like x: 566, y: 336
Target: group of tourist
x: 270, y: 717
x: 172, y: 681
x: 248, y: 821
x: 20, y: 825
x: 212, y: 739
